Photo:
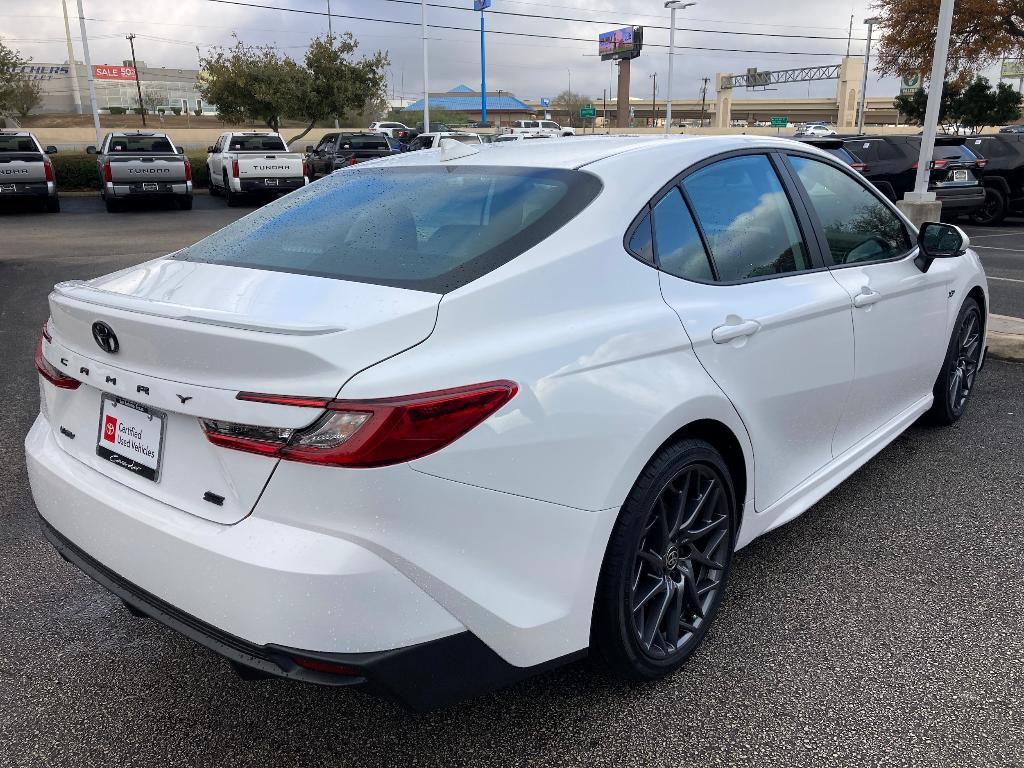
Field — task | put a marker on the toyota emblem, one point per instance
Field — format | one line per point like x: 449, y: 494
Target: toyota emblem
x: 105, y: 337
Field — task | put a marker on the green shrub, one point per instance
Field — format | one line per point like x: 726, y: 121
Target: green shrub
x: 176, y: 110
x: 78, y: 170
x: 161, y: 110
x: 197, y: 111
x: 116, y: 110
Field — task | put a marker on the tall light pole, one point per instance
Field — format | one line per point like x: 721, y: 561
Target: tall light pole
x: 482, y: 5
x: 426, y: 77
x: 931, y: 113
x: 673, y: 5
x: 864, y: 82
x: 330, y: 34
x: 88, y: 69
x: 71, y: 60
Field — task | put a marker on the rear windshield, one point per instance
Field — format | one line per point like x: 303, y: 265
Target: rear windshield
x: 423, y: 228
x: 842, y: 154
x: 17, y: 144
x: 257, y: 144
x: 946, y: 152
x: 140, y: 144
x: 363, y: 142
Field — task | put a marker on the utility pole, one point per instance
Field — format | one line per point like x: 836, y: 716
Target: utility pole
x: 654, y: 96
x: 703, y: 99
x: 849, y: 37
x: 92, y: 79
x: 71, y: 60
x: 130, y: 37
x: 426, y: 77
x: 864, y: 84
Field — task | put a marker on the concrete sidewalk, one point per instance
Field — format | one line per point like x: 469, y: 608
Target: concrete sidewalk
x: 1006, y: 337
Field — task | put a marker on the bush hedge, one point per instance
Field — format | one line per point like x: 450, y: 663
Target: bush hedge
x: 77, y: 170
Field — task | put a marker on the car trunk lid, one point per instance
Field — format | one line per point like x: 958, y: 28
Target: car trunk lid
x: 273, y: 166
x: 131, y: 169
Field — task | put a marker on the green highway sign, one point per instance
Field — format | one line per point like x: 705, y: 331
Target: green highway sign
x: 779, y: 121
x: 587, y: 111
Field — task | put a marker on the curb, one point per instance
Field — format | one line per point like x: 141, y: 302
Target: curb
x: 1006, y: 337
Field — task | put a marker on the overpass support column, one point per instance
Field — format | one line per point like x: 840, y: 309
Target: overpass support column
x: 851, y: 71
x: 723, y: 102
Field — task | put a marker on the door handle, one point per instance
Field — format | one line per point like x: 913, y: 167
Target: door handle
x: 726, y: 333
x: 866, y: 297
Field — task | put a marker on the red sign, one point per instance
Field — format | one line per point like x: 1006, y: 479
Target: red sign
x: 109, y: 429
x: 108, y: 72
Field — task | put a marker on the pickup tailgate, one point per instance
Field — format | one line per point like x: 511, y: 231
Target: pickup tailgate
x: 190, y: 337
x: 131, y: 169
x: 21, y: 167
x: 277, y: 166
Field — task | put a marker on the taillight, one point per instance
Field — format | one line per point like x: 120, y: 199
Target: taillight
x: 305, y: 167
x: 48, y: 372
x: 107, y: 176
x: 939, y: 164
x: 862, y: 167
x: 188, y: 170
x: 981, y: 162
x: 352, y: 160
x: 367, y: 433
x: 234, y: 168
x: 48, y: 168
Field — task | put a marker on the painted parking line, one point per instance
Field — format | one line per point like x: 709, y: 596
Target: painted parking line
x: 1011, y: 233
x: 997, y: 248
x: 1006, y: 279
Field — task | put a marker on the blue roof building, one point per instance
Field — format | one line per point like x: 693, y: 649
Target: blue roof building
x: 466, y: 101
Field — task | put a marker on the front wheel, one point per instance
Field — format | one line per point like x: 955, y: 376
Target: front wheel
x: 993, y: 211
x: 667, y: 562
x: 955, y: 382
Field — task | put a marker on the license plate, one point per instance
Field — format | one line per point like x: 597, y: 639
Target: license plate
x: 270, y: 182
x: 8, y: 188
x: 959, y: 175
x: 150, y: 186
x: 131, y: 436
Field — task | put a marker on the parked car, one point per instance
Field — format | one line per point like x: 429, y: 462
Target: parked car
x: 26, y: 170
x: 336, y: 150
x: 813, y: 130
x: 138, y: 165
x: 436, y: 424
x: 387, y: 128
x: 538, y: 127
x: 1003, y: 178
x: 955, y: 174
x: 836, y: 148
x: 433, y: 140
x: 1012, y: 129
x: 501, y: 138
x: 254, y: 163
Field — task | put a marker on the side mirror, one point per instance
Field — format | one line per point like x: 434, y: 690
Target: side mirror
x: 51, y: 150
x: 942, y: 241
x: 211, y: 149
x: 309, y: 147
x: 91, y: 150
x: 180, y: 150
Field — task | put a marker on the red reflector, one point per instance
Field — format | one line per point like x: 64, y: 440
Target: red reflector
x: 234, y: 168
x: 188, y: 170
x: 51, y: 374
x: 319, y: 665
x: 48, y: 168
x: 367, y: 433
x: 352, y: 161
x: 305, y: 167
x: 107, y: 176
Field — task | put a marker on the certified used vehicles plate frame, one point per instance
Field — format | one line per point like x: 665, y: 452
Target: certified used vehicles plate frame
x: 959, y: 175
x: 137, y: 433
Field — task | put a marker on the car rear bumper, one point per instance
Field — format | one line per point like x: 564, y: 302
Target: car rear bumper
x: 269, y: 186
x: 961, y: 200
x: 164, y: 189
x: 28, y: 189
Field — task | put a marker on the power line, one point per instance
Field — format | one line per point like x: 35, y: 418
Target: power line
x: 515, y: 34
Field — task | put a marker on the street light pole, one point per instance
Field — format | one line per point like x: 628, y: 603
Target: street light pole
x: 935, y: 87
x: 72, y: 67
x: 88, y: 69
x: 654, y: 97
x: 864, y: 82
x: 426, y: 77
x: 673, y: 5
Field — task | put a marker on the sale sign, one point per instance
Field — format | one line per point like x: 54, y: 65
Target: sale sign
x: 110, y: 72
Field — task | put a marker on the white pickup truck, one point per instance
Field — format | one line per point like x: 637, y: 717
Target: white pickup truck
x: 539, y: 128
x: 253, y: 162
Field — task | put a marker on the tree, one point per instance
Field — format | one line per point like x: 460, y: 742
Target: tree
x: 913, y: 107
x: 10, y: 76
x: 974, y: 107
x: 437, y: 116
x: 983, y: 32
x: 570, y: 103
x: 26, y: 95
x: 151, y: 99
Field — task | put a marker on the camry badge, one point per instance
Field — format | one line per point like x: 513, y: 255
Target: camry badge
x: 105, y: 337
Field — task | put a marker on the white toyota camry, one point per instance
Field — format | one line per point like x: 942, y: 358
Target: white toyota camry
x: 442, y: 420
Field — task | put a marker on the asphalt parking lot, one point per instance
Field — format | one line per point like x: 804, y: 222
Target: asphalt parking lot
x: 884, y: 627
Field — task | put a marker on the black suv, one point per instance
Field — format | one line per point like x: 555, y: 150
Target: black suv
x: 1004, y: 175
x: 955, y: 175
x: 336, y: 150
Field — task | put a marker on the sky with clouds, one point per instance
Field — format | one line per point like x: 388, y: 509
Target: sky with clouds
x: 774, y: 36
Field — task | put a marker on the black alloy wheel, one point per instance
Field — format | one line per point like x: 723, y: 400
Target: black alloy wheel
x: 667, y: 562
x: 956, y: 381
x: 993, y: 211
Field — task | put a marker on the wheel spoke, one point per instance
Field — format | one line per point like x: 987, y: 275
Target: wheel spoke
x: 654, y: 590
x: 696, y: 533
x: 674, y: 616
x: 684, y: 494
x: 654, y: 561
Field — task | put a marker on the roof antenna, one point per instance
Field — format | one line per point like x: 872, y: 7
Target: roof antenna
x: 453, y: 150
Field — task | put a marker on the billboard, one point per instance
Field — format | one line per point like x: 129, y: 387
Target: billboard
x: 624, y: 43
x: 110, y: 72
x: 1012, y: 68
x: 481, y: 5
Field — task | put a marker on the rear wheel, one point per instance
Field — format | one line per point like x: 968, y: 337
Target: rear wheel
x: 185, y: 203
x: 113, y: 206
x: 993, y: 211
x: 229, y: 195
x: 667, y: 562
x: 214, y: 189
x: 955, y: 383
x: 53, y: 204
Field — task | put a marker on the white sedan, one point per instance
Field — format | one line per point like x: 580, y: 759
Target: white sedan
x: 512, y: 407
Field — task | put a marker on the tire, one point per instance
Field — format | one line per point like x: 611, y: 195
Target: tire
x: 955, y: 382
x: 53, y: 204
x: 113, y: 206
x: 214, y: 189
x: 635, y: 578
x: 185, y: 203
x: 230, y: 197
x: 993, y: 211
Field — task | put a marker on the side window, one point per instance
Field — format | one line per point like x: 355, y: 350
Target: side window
x: 859, y: 227
x: 747, y: 218
x: 641, y: 242
x: 865, y: 150
x: 677, y: 243
x: 326, y: 141
x: 887, y: 151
